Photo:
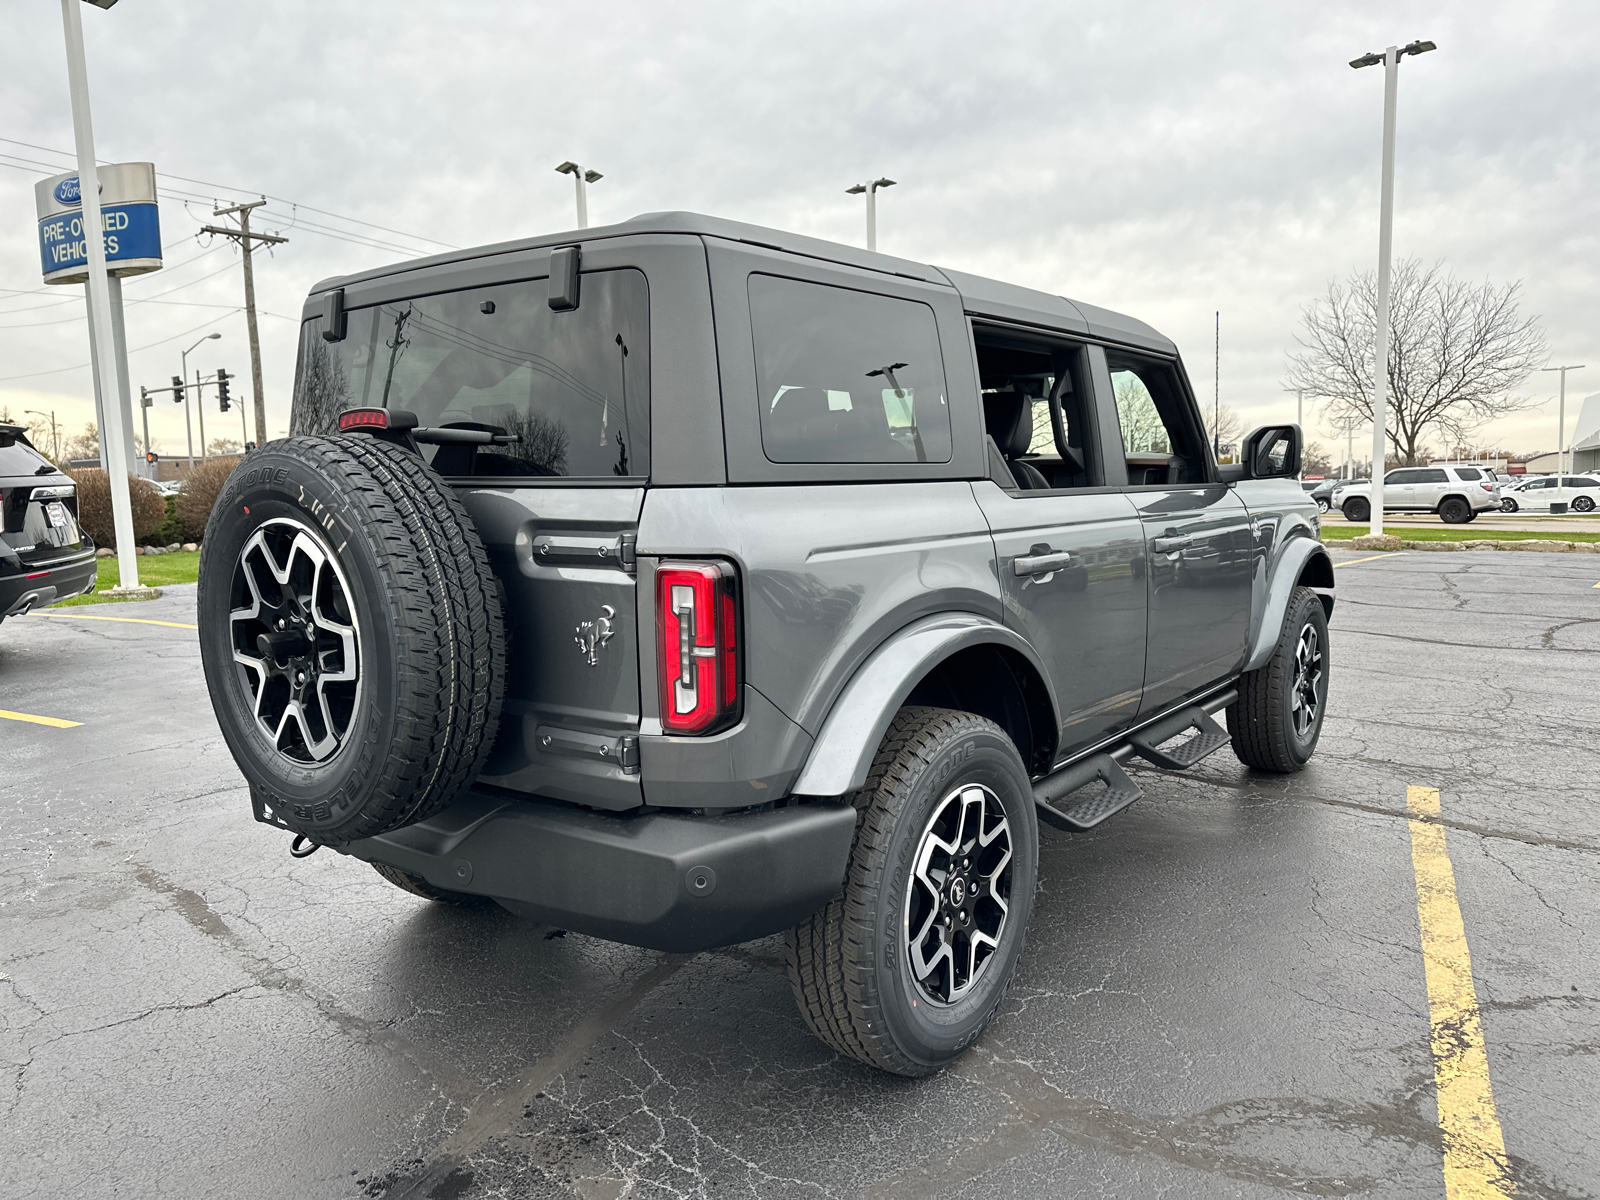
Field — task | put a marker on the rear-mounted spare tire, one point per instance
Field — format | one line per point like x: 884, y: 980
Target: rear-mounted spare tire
x: 352, y: 636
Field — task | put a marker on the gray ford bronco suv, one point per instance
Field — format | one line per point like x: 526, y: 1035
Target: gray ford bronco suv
x: 681, y: 582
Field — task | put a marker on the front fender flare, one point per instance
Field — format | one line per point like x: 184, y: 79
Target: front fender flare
x: 1292, y: 560
x: 845, y: 746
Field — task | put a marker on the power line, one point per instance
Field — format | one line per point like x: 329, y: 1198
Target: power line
x: 129, y: 304
x: 135, y: 350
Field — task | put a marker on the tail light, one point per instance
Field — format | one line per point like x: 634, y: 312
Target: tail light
x: 697, y: 646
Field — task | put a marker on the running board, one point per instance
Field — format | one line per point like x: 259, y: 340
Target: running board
x: 1104, y: 767
x: 1120, y: 791
x: 1209, y: 738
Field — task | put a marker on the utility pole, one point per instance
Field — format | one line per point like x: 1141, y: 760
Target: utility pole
x: 55, y: 439
x: 247, y: 241
x: 1561, y: 419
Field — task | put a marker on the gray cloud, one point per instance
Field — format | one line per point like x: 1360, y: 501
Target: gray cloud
x: 1168, y: 160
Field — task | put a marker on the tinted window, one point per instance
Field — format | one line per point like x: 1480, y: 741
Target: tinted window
x: 1469, y: 473
x: 17, y: 459
x: 845, y: 376
x: 1432, y: 475
x: 1583, y: 481
x: 572, y: 385
x: 1403, y: 477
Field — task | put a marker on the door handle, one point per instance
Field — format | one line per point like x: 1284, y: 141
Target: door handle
x: 1041, y: 564
x: 1167, y: 545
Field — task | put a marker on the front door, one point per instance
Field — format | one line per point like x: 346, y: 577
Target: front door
x: 1197, y: 533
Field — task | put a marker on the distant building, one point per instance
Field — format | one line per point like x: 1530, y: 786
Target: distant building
x: 1586, y: 437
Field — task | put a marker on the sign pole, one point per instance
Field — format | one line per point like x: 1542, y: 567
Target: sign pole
x: 99, y: 294
x: 119, y: 351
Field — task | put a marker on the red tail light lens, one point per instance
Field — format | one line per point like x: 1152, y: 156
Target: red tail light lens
x: 697, y: 646
x: 363, y: 418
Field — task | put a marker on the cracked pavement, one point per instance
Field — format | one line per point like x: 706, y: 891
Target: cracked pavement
x: 1222, y: 994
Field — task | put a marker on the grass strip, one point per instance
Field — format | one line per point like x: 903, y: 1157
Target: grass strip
x: 155, y: 570
x: 1339, y: 533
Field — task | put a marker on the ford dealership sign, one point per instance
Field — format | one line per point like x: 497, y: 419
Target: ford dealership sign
x: 130, y: 223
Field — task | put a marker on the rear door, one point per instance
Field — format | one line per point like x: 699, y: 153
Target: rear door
x: 557, y: 509
x: 1070, y: 557
x: 1199, y: 545
x: 1400, y: 488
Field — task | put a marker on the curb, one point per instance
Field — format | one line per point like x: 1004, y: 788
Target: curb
x: 1547, y: 546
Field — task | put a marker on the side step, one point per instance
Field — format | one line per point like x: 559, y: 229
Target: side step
x: 1209, y: 738
x: 1120, y: 791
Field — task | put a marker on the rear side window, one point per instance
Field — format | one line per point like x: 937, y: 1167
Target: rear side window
x: 1469, y: 473
x: 1432, y: 475
x: 17, y: 459
x: 845, y: 376
x: 1583, y: 481
x: 572, y: 385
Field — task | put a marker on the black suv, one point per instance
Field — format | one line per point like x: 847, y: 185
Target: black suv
x: 681, y: 582
x: 44, y: 555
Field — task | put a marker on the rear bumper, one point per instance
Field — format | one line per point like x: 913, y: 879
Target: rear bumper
x: 665, y: 881
x: 57, y: 581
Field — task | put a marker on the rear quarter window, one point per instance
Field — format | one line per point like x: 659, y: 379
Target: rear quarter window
x: 17, y: 459
x: 844, y: 376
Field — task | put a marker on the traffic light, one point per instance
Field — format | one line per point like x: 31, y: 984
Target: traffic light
x: 223, y: 399
x: 177, y: 389
x: 152, y: 457
x: 144, y: 397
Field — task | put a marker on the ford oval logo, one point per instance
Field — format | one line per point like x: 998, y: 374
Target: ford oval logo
x: 67, y: 191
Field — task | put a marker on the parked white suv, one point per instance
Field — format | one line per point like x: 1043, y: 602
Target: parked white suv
x: 1457, y: 494
x: 1580, y: 493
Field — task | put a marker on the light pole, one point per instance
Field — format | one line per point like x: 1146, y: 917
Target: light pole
x: 1390, y: 59
x: 55, y: 438
x: 871, y: 191
x: 581, y: 177
x: 200, y: 403
x: 102, y: 342
x: 1561, y: 419
x: 1300, y: 420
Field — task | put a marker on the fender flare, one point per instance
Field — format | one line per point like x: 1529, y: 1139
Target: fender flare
x: 842, y: 754
x: 1292, y: 560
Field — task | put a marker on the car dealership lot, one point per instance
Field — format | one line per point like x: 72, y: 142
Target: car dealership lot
x: 1223, y: 992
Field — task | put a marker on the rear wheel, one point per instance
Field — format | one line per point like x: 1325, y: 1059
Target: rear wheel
x: 1357, y: 509
x: 909, y: 965
x: 1453, y: 510
x: 1277, y: 719
x: 1583, y: 504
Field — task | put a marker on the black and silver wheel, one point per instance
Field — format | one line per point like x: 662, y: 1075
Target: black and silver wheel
x: 1508, y: 504
x: 1583, y: 504
x: 294, y: 640
x: 1453, y: 510
x: 351, y: 634
x: 1357, y: 509
x: 1323, y: 506
x: 907, y: 967
x: 1278, y: 717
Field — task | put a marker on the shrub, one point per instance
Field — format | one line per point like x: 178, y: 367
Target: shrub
x: 171, y: 529
x: 199, y: 495
x: 94, y: 506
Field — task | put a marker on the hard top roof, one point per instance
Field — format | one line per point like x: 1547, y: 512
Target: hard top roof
x: 981, y: 297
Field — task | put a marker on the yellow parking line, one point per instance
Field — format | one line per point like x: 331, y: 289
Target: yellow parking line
x: 53, y: 722
x: 1475, y: 1164
x: 77, y: 616
x: 1350, y: 562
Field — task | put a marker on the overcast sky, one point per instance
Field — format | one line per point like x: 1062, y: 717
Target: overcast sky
x: 1167, y: 160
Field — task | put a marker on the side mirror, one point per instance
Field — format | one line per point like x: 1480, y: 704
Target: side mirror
x: 1271, y: 452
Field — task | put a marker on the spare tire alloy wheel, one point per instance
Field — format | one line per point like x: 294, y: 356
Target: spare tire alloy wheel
x: 294, y: 640
x: 352, y: 636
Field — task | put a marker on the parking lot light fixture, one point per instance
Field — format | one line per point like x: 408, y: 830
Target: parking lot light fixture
x: 1561, y: 418
x: 871, y: 192
x: 1390, y: 59
x: 580, y: 177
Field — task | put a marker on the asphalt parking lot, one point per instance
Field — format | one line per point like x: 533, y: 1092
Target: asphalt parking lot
x: 1224, y: 994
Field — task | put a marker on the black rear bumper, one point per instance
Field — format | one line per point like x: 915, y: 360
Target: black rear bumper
x: 665, y: 881
x: 24, y: 587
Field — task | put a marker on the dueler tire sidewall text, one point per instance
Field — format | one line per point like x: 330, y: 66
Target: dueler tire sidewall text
x: 322, y: 797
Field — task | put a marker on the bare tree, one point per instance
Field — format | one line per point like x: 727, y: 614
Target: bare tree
x: 1456, y: 352
x: 1224, y: 427
x: 83, y: 445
